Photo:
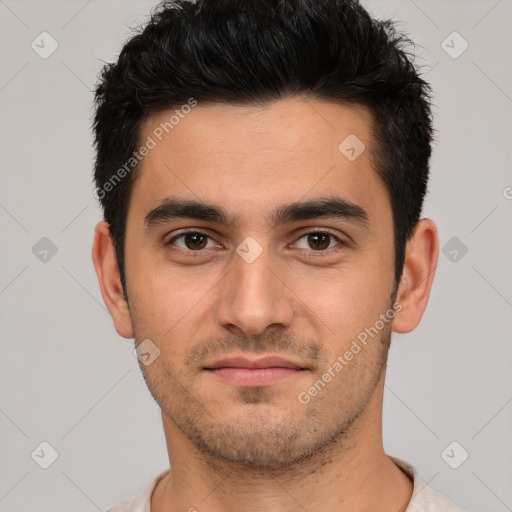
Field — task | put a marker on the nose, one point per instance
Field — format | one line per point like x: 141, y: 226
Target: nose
x: 253, y: 298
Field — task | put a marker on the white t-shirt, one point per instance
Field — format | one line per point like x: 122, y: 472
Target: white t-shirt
x: 424, y: 498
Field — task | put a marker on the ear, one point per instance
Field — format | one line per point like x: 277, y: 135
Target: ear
x: 421, y: 254
x: 105, y: 263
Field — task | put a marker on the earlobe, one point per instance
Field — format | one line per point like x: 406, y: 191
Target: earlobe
x: 421, y: 255
x: 107, y: 271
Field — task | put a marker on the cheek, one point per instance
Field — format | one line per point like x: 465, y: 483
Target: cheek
x: 346, y: 303
x: 160, y: 288
x: 170, y: 304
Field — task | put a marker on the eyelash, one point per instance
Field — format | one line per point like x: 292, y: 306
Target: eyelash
x: 340, y: 242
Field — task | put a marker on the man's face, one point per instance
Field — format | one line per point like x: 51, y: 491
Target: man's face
x: 285, y: 282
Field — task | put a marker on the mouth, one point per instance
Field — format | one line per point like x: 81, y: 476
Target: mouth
x: 248, y: 372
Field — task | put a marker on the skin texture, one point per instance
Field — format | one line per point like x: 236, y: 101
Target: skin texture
x: 259, y: 448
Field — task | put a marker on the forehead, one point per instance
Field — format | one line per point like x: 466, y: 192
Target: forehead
x: 298, y: 125
x: 247, y: 156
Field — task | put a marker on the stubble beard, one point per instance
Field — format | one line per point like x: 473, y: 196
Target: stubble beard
x: 258, y: 439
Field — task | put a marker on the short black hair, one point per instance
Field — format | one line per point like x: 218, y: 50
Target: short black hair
x: 247, y: 51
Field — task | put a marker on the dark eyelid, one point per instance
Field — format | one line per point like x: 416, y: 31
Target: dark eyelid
x: 330, y: 231
x: 338, y: 238
x: 300, y: 235
x: 186, y: 232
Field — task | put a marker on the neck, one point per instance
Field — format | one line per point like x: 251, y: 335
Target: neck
x: 351, y: 473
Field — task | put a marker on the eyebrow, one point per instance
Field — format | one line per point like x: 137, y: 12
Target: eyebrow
x: 322, y: 207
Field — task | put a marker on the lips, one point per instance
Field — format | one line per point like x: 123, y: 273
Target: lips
x: 263, y: 362
x: 254, y: 372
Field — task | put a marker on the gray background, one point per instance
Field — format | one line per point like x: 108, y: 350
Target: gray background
x: 68, y: 379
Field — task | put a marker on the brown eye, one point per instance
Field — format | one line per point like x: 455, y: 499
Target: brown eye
x: 195, y: 241
x: 318, y: 241
x: 192, y: 241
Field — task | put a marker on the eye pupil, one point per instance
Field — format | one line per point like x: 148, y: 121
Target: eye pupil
x: 198, y: 241
x: 321, y: 240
